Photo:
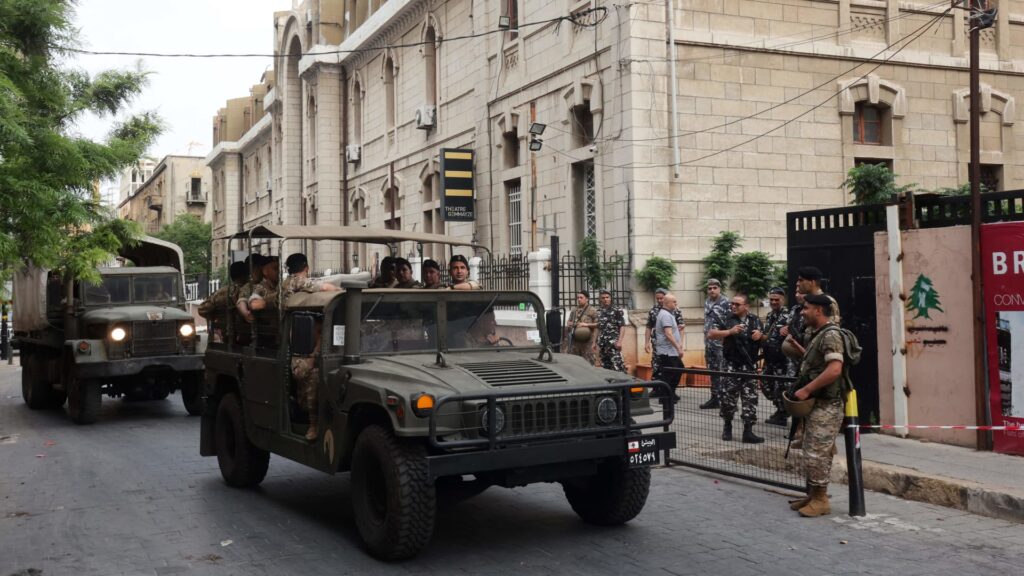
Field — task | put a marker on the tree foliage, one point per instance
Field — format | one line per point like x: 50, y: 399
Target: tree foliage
x: 657, y: 273
x: 720, y: 263
x: 49, y: 210
x: 755, y: 274
x: 873, y: 184
x: 193, y: 236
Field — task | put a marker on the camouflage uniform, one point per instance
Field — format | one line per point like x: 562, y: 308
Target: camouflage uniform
x: 797, y: 328
x: 409, y: 284
x: 652, y: 319
x: 826, y: 418
x: 714, y: 310
x: 220, y: 300
x: 610, y: 321
x: 586, y: 315
x: 740, y: 355
x: 305, y: 372
x: 775, y: 362
x: 266, y: 291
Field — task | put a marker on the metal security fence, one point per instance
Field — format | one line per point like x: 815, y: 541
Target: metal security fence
x: 699, y: 441
x: 573, y: 277
x: 508, y: 272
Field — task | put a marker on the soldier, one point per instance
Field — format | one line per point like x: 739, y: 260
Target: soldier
x: 305, y: 373
x: 264, y: 294
x: 740, y: 333
x: 652, y: 318
x: 431, y: 275
x: 821, y: 378
x: 386, y: 278
x: 253, y: 262
x: 458, y: 270
x: 775, y: 362
x: 403, y: 274
x: 716, y: 307
x: 582, y: 327
x: 611, y: 326
x: 219, y: 300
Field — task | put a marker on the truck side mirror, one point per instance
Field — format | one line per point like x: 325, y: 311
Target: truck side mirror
x: 303, y: 334
x: 553, y: 322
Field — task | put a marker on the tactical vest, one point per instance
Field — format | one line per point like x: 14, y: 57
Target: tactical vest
x: 814, y: 364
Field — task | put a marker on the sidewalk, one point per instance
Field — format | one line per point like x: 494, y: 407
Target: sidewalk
x: 984, y: 483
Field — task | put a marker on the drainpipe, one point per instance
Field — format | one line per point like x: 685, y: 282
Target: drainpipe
x: 344, y: 165
x: 673, y: 87
x: 241, y: 191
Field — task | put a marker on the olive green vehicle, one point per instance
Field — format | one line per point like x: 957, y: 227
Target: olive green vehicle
x: 129, y: 335
x: 426, y: 397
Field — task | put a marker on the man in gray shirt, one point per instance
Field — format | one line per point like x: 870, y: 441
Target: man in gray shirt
x: 668, y: 344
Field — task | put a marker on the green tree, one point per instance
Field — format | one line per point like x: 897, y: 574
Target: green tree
x: 193, y: 237
x: 755, y: 274
x: 873, y: 184
x: 923, y: 298
x: 657, y: 273
x: 597, y: 271
x: 720, y: 263
x: 49, y: 211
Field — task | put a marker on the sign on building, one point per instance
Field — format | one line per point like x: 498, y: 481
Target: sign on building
x: 1003, y: 271
x: 457, y: 185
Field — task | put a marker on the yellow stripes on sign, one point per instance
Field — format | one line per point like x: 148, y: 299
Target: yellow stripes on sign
x: 458, y: 155
x: 457, y: 174
x: 465, y: 193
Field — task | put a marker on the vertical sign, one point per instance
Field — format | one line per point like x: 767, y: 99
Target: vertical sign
x: 457, y: 185
x: 1003, y: 272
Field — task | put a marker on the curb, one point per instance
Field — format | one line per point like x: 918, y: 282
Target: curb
x: 910, y: 484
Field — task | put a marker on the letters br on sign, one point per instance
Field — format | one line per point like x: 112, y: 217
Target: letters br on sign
x: 457, y: 185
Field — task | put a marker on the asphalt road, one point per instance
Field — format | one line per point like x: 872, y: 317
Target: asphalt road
x: 131, y: 495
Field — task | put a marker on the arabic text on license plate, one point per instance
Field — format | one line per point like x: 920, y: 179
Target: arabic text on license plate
x: 642, y: 451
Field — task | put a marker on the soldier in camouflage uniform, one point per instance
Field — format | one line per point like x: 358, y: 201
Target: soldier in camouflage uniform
x: 821, y: 377
x: 243, y: 330
x: 584, y: 316
x: 403, y: 274
x: 264, y: 294
x: 740, y: 333
x: 214, y: 307
x: 716, y: 307
x: 305, y: 372
x: 652, y: 318
x: 775, y: 362
x: 611, y: 326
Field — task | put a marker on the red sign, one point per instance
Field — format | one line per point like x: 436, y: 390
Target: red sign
x: 1003, y: 274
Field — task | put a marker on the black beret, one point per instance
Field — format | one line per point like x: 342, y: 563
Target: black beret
x: 296, y: 262
x: 604, y: 291
x: 399, y: 262
x: 818, y: 300
x: 809, y: 273
x: 777, y: 290
x: 428, y: 263
x: 458, y: 258
x: 584, y: 293
x: 238, y: 271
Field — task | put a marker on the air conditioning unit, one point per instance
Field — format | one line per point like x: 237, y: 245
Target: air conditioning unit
x: 268, y: 185
x: 426, y: 117
x: 352, y: 152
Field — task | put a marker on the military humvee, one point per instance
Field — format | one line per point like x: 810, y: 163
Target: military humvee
x: 129, y: 335
x: 426, y: 396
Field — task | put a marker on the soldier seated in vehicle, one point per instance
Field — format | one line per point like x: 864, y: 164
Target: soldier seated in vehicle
x: 431, y: 275
x: 458, y: 269
x: 482, y: 333
x: 403, y: 274
x: 215, y: 308
x: 386, y: 278
x: 264, y: 299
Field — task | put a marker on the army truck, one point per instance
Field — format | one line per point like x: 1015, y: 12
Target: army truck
x: 426, y: 397
x: 129, y: 335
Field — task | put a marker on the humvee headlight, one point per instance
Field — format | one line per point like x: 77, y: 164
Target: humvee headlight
x: 118, y: 334
x: 186, y: 330
x: 607, y: 410
x: 422, y: 405
x: 499, y: 420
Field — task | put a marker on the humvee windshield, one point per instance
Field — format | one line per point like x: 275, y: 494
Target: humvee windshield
x: 119, y: 289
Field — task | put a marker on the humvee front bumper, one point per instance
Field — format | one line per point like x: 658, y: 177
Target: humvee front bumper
x: 133, y: 366
x: 547, y: 428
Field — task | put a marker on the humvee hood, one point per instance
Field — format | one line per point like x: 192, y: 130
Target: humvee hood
x: 137, y: 313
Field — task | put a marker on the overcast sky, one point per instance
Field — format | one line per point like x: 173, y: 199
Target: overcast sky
x: 185, y: 92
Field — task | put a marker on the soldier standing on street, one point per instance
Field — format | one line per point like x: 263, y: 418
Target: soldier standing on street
x: 611, y: 327
x: 740, y: 333
x: 716, y: 307
x: 775, y: 362
x: 582, y: 328
x: 650, y: 335
x: 821, y: 378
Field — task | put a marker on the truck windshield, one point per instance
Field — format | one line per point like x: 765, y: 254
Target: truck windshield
x: 503, y: 320
x: 110, y: 290
x: 156, y: 288
x: 396, y: 326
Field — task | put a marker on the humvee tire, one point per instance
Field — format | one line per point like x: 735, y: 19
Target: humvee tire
x: 613, y: 496
x: 84, y: 399
x: 241, y: 463
x: 35, y: 390
x: 192, y: 393
x: 393, y: 499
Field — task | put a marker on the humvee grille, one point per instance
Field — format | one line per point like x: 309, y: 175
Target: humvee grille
x: 154, y: 338
x: 548, y: 415
x: 512, y: 372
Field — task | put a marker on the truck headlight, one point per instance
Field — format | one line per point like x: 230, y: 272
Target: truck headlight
x: 118, y: 334
x: 607, y: 410
x: 186, y: 330
x: 499, y: 420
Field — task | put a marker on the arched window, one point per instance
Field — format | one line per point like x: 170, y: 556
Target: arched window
x: 430, y: 66
x: 311, y: 131
x: 357, y: 113
x: 390, y: 98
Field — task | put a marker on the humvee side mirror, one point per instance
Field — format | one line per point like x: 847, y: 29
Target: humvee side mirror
x: 303, y: 335
x: 553, y: 322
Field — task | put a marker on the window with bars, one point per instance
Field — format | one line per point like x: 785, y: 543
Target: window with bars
x: 514, y: 192
x: 584, y: 200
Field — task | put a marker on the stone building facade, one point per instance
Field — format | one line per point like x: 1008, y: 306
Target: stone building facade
x: 177, y: 185
x: 774, y: 100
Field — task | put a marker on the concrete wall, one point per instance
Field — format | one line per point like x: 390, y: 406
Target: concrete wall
x: 940, y: 365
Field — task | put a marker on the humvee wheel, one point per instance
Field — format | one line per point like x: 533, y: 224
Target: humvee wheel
x: 83, y: 400
x: 192, y: 393
x: 393, y: 500
x: 241, y: 463
x: 35, y: 390
x: 613, y: 496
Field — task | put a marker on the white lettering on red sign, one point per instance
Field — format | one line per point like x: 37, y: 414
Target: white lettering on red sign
x: 1000, y: 266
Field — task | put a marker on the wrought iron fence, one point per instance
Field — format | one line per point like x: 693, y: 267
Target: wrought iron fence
x: 573, y: 277
x: 504, y: 272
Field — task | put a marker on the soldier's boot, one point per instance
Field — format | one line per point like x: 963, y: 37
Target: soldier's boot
x: 711, y: 404
x: 777, y: 419
x: 748, y: 434
x: 799, y: 503
x: 727, y: 431
x: 818, y: 505
x: 313, y: 431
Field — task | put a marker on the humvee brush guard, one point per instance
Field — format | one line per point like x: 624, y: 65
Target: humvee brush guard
x: 425, y: 396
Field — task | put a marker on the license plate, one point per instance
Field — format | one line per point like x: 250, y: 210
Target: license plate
x: 642, y: 452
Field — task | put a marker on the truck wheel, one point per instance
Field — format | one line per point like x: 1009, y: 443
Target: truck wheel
x: 613, y: 496
x: 84, y: 400
x: 393, y: 499
x: 241, y: 463
x: 192, y: 393
x: 35, y: 389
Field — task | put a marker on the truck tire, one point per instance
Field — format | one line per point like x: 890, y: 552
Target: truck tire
x: 613, y: 496
x: 84, y: 399
x: 35, y: 389
x: 192, y: 392
x: 393, y: 499
x: 241, y: 463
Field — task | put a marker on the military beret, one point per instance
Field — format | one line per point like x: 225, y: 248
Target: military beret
x: 818, y: 300
x: 661, y: 291
x: 777, y: 290
x: 809, y: 273
x: 296, y: 262
x: 458, y: 258
x: 428, y: 263
x: 604, y: 291
x: 713, y: 282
